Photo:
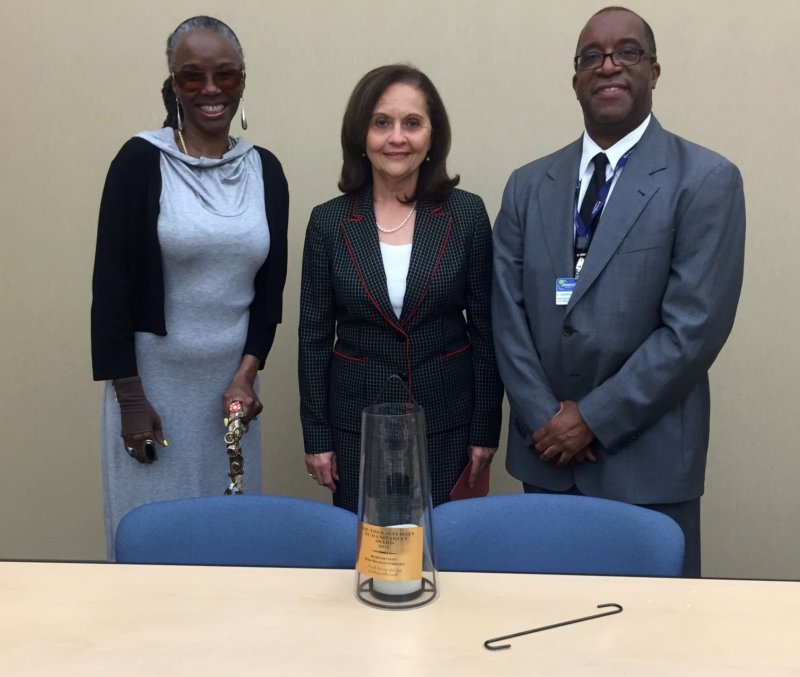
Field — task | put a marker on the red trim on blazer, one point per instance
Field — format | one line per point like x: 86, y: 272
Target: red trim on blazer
x: 352, y: 358
x: 393, y: 325
x: 435, y: 266
x: 456, y: 351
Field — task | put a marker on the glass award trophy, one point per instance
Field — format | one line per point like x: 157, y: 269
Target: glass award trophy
x: 394, y: 563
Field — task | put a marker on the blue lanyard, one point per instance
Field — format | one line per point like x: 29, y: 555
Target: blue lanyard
x: 584, y: 233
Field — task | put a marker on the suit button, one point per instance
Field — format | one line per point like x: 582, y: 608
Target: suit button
x: 567, y: 331
x: 403, y: 375
x: 400, y: 338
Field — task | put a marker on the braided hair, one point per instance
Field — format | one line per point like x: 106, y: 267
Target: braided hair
x: 170, y: 103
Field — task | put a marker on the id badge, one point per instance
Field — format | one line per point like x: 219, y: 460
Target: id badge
x: 564, y: 288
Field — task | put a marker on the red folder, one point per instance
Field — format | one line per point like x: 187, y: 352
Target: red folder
x: 461, y: 488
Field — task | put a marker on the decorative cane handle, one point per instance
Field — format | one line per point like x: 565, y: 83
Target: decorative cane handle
x: 233, y: 439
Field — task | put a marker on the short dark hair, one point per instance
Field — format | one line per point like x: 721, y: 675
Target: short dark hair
x: 434, y: 183
x: 648, y: 32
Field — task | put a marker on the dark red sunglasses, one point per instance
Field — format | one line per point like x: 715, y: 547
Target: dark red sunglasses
x: 226, y: 79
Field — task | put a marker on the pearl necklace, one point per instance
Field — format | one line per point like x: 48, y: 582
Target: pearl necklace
x: 402, y: 223
x: 186, y: 151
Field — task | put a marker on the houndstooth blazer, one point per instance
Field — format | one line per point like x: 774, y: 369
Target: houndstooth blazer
x: 351, y: 341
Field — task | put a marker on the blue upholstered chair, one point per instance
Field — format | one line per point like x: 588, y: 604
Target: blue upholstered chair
x: 555, y: 533
x: 239, y: 530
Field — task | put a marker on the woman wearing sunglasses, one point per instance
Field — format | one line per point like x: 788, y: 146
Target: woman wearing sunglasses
x: 188, y: 280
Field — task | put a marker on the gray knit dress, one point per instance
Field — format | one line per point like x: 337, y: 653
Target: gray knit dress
x: 213, y: 233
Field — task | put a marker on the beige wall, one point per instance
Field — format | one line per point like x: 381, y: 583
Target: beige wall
x: 82, y: 76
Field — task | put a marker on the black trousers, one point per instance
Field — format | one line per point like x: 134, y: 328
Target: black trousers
x: 686, y: 514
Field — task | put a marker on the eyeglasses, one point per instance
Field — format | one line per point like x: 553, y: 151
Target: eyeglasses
x: 627, y: 56
x: 226, y: 79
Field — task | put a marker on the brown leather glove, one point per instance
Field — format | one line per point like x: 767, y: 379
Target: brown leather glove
x: 141, y: 425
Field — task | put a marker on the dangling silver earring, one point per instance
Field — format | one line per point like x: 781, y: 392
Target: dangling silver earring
x: 178, y: 111
x: 244, y: 115
x: 428, y: 159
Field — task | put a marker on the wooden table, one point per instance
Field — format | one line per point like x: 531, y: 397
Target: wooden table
x: 113, y: 619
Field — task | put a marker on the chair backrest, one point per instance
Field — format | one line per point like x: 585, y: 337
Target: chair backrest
x: 239, y: 530
x: 555, y: 533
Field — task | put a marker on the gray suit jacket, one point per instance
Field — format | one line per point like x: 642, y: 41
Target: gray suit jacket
x: 653, y: 306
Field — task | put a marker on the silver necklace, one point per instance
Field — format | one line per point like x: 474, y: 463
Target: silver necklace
x: 402, y: 223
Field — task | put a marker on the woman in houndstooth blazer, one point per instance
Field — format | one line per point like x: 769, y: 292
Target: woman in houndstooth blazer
x: 397, y: 280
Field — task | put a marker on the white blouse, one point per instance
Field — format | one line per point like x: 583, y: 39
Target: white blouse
x: 396, y: 259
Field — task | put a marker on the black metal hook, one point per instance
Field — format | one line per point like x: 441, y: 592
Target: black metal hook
x: 489, y: 642
x: 399, y: 379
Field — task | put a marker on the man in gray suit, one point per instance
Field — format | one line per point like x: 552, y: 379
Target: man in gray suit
x: 608, y: 310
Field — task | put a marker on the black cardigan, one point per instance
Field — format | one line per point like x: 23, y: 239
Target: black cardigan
x: 128, y: 280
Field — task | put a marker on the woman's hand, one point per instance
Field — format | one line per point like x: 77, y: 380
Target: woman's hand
x: 322, y: 468
x: 241, y: 389
x: 141, y: 424
x: 481, y: 457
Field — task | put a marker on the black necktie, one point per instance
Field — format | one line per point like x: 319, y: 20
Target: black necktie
x: 598, y: 179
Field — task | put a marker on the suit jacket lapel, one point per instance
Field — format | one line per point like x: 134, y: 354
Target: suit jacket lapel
x: 635, y: 187
x: 432, y: 230
x: 556, y: 204
x: 361, y: 239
